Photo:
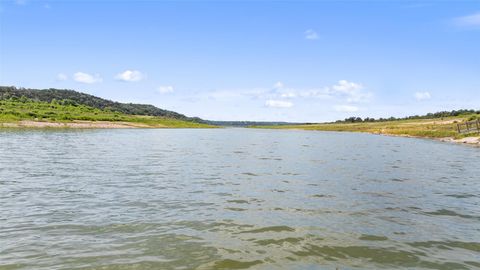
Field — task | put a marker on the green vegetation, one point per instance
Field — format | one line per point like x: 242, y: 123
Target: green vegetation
x: 420, y: 127
x: 15, y: 109
x: 472, y: 113
x: 68, y: 106
x: 76, y: 98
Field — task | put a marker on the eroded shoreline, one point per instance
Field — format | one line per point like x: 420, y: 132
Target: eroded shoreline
x: 78, y: 124
x: 471, y: 140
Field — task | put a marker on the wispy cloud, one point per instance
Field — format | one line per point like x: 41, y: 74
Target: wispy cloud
x: 278, y: 103
x: 468, y: 21
x: 288, y: 95
x: 280, y: 95
x: 352, y: 91
x: 278, y: 85
x: 347, y: 91
x: 62, y: 77
x: 311, y: 34
x: 422, y: 96
x: 282, y: 92
x: 130, y: 76
x: 165, y: 89
x: 82, y: 77
x: 345, y: 86
x: 346, y: 108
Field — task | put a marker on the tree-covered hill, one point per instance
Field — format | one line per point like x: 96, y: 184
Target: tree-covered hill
x: 25, y: 112
x: 74, y: 97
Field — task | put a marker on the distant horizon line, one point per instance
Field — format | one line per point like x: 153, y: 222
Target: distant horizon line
x: 258, y: 121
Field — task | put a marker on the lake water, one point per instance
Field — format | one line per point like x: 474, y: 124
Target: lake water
x: 236, y: 199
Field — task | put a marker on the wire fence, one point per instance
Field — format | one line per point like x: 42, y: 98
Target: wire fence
x: 469, y: 127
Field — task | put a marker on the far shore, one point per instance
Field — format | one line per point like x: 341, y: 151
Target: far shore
x: 78, y: 124
x: 437, y: 129
x: 82, y: 124
x: 471, y: 140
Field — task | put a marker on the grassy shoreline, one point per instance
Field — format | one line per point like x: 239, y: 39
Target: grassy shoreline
x: 36, y: 114
x: 443, y: 129
x: 84, y: 124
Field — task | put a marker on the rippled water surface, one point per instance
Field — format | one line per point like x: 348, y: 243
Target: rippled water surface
x: 236, y: 199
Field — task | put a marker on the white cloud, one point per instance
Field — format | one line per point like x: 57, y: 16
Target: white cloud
x: 288, y: 95
x: 347, y: 91
x: 278, y: 85
x: 62, y: 77
x: 345, y: 86
x: 323, y: 93
x: 279, y: 90
x: 342, y: 91
x: 472, y: 20
x: 281, y: 96
x: 352, y: 91
x: 311, y: 34
x: 278, y: 103
x: 82, y: 77
x: 165, y: 89
x: 346, y: 108
x: 130, y: 76
x: 422, y: 96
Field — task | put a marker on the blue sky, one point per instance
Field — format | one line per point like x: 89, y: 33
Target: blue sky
x: 254, y: 60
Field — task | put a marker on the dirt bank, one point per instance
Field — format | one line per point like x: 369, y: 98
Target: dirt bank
x: 77, y: 124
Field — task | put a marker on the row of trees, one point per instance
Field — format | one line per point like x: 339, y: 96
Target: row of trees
x: 24, y: 99
x: 440, y: 115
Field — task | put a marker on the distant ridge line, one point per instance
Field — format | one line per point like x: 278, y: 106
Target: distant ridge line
x: 49, y: 94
